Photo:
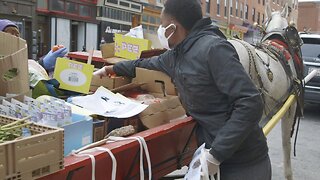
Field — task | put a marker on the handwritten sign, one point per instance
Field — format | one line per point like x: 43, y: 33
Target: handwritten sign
x: 130, y: 48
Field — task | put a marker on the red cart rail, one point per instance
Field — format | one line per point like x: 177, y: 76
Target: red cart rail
x: 171, y: 146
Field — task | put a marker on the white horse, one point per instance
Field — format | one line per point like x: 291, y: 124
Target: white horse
x: 269, y: 75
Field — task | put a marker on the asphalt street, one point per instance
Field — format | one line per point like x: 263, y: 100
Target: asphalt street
x: 306, y: 164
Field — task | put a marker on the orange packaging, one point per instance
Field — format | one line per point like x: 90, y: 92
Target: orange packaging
x: 56, y: 47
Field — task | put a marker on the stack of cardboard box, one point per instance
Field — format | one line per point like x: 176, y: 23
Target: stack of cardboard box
x: 13, y: 65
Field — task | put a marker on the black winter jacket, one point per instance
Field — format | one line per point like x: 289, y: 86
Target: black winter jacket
x: 215, y: 90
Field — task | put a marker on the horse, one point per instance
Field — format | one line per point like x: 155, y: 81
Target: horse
x: 273, y: 67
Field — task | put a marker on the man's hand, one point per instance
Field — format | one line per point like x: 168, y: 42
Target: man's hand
x: 210, y: 161
x: 105, y: 71
x: 49, y: 61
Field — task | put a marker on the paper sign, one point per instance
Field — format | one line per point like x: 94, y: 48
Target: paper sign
x: 73, y: 75
x: 129, y: 47
x: 105, y: 103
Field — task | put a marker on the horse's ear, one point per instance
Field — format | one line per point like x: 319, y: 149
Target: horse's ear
x: 285, y: 11
x: 268, y: 9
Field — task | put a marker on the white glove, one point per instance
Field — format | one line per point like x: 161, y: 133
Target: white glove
x: 101, y: 72
x: 212, y: 164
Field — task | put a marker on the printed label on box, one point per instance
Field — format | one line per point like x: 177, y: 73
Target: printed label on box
x: 73, y: 75
x: 129, y: 47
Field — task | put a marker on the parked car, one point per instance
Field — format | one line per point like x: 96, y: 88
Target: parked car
x: 311, y: 59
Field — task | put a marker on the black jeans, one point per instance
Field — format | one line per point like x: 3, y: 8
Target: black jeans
x: 260, y: 170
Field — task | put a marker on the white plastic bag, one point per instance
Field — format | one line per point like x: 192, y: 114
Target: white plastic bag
x: 198, y: 168
x: 136, y: 32
x: 195, y: 171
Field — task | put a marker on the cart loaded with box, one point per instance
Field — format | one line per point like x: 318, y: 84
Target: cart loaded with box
x: 89, y: 127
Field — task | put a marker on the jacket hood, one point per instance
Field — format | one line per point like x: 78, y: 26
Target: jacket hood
x: 201, y: 28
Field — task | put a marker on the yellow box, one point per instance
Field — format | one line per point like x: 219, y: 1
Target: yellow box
x: 129, y: 47
x: 73, y: 75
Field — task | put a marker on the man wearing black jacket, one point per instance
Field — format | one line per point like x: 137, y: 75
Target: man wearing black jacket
x: 214, y: 89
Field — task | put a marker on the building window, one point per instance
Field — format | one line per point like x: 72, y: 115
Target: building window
x: 84, y: 10
x: 218, y: 7
x: 241, y: 10
x: 145, y: 18
x: 259, y: 1
x: 253, y: 14
x: 152, y: 20
x: 42, y: 4
x: 225, y: 8
x: 135, y: 7
x: 152, y: 28
x: 237, y: 8
x: 246, y: 11
x: 117, y: 14
x: 71, y: 8
x: 57, y: 5
x: 124, y: 4
x: 278, y: 2
x: 263, y: 2
x: 262, y: 18
x: 208, y: 6
x: 113, y: 1
x: 258, y: 18
x: 230, y: 7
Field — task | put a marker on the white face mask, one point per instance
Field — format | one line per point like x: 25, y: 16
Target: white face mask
x: 164, y: 41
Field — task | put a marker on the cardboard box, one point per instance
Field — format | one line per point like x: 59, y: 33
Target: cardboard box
x: 72, y: 75
x: 154, y: 81
x: 159, y: 85
x: 107, y: 50
x: 161, y: 113
x: 78, y: 133
x: 98, y: 130
x: 129, y: 47
x: 114, y: 123
x: 14, y: 76
x: 31, y: 157
x: 109, y: 83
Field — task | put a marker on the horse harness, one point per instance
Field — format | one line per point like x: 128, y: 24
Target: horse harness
x: 279, y: 46
x: 286, y: 46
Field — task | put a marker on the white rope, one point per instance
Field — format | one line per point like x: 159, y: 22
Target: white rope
x: 93, y: 160
x: 114, y: 161
x: 147, y: 156
x: 143, y: 147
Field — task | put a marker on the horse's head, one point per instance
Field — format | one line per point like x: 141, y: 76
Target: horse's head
x: 276, y: 21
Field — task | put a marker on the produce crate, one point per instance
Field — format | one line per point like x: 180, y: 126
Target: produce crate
x: 31, y: 157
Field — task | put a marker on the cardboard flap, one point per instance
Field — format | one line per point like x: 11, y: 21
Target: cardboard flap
x: 170, y: 102
x: 114, y: 60
x: 155, y: 81
x: 127, y: 87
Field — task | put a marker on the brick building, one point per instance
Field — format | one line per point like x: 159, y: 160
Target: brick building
x: 309, y: 16
x: 22, y: 12
x: 235, y: 17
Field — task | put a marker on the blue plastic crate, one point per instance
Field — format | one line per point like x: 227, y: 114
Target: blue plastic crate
x: 78, y: 133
